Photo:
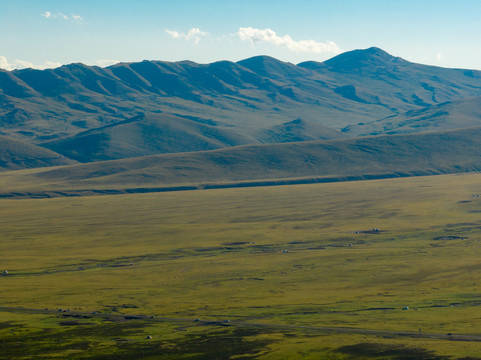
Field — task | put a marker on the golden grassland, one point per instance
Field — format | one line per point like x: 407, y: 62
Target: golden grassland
x: 298, y: 255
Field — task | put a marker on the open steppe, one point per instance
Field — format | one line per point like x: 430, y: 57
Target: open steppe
x: 102, y: 257
x: 381, y: 269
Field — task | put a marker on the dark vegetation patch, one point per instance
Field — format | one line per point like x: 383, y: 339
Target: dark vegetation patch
x: 69, y: 338
x: 223, y: 344
x: 370, y: 231
x: 128, y: 340
x: 77, y: 316
x: 461, y: 224
x: 391, y: 352
x: 210, y: 249
x: 320, y: 247
x: 451, y: 237
x: 73, y: 323
x: 9, y: 324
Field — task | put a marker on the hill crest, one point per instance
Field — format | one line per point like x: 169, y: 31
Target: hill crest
x: 222, y: 104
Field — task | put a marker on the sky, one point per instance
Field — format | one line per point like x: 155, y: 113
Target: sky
x: 50, y: 33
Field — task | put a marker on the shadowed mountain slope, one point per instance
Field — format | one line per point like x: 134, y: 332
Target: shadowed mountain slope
x: 146, y: 135
x: 86, y: 110
x: 459, y: 114
x: 334, y: 160
x: 15, y: 154
x: 360, y: 60
x: 299, y: 130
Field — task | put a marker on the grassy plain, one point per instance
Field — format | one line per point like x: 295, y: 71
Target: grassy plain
x: 295, y: 262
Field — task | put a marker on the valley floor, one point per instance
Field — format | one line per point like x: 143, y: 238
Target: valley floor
x: 381, y: 269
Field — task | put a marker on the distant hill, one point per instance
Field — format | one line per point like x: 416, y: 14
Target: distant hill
x: 86, y: 112
x: 147, y: 135
x: 334, y: 160
x: 15, y: 154
x: 458, y: 114
x: 299, y: 130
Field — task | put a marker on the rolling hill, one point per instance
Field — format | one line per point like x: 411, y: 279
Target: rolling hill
x: 458, y: 114
x: 162, y: 133
x: 16, y: 154
x: 146, y: 135
x: 162, y: 124
x: 86, y: 112
x: 272, y: 164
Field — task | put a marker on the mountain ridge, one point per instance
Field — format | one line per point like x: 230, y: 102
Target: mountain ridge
x: 85, y: 112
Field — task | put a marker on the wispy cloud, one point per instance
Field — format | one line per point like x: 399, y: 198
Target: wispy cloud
x: 269, y: 36
x: 16, y: 64
x: 105, y: 62
x: 4, y: 63
x: 22, y: 64
x: 77, y: 18
x: 74, y: 17
x: 194, y: 35
x: 440, y: 56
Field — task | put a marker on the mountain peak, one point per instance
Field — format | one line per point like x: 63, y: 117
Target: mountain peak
x: 357, y: 59
x: 266, y: 65
x: 260, y: 59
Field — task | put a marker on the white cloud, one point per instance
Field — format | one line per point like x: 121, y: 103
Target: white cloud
x: 77, y: 18
x: 194, y: 35
x: 4, y: 63
x: 269, y: 36
x: 74, y: 17
x: 16, y: 64
x: 48, y: 65
x: 174, y: 34
x: 105, y: 63
x: 440, y: 56
x: 22, y: 64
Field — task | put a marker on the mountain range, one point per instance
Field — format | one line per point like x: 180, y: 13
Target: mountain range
x: 85, y: 114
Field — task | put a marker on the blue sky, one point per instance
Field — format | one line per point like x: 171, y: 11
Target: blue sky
x: 48, y: 33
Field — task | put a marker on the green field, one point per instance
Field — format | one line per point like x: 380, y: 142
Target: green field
x: 296, y: 271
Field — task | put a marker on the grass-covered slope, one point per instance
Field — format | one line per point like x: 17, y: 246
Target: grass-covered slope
x: 398, y: 155
x: 459, y: 114
x: 147, y: 135
x: 256, y: 100
x: 15, y: 154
